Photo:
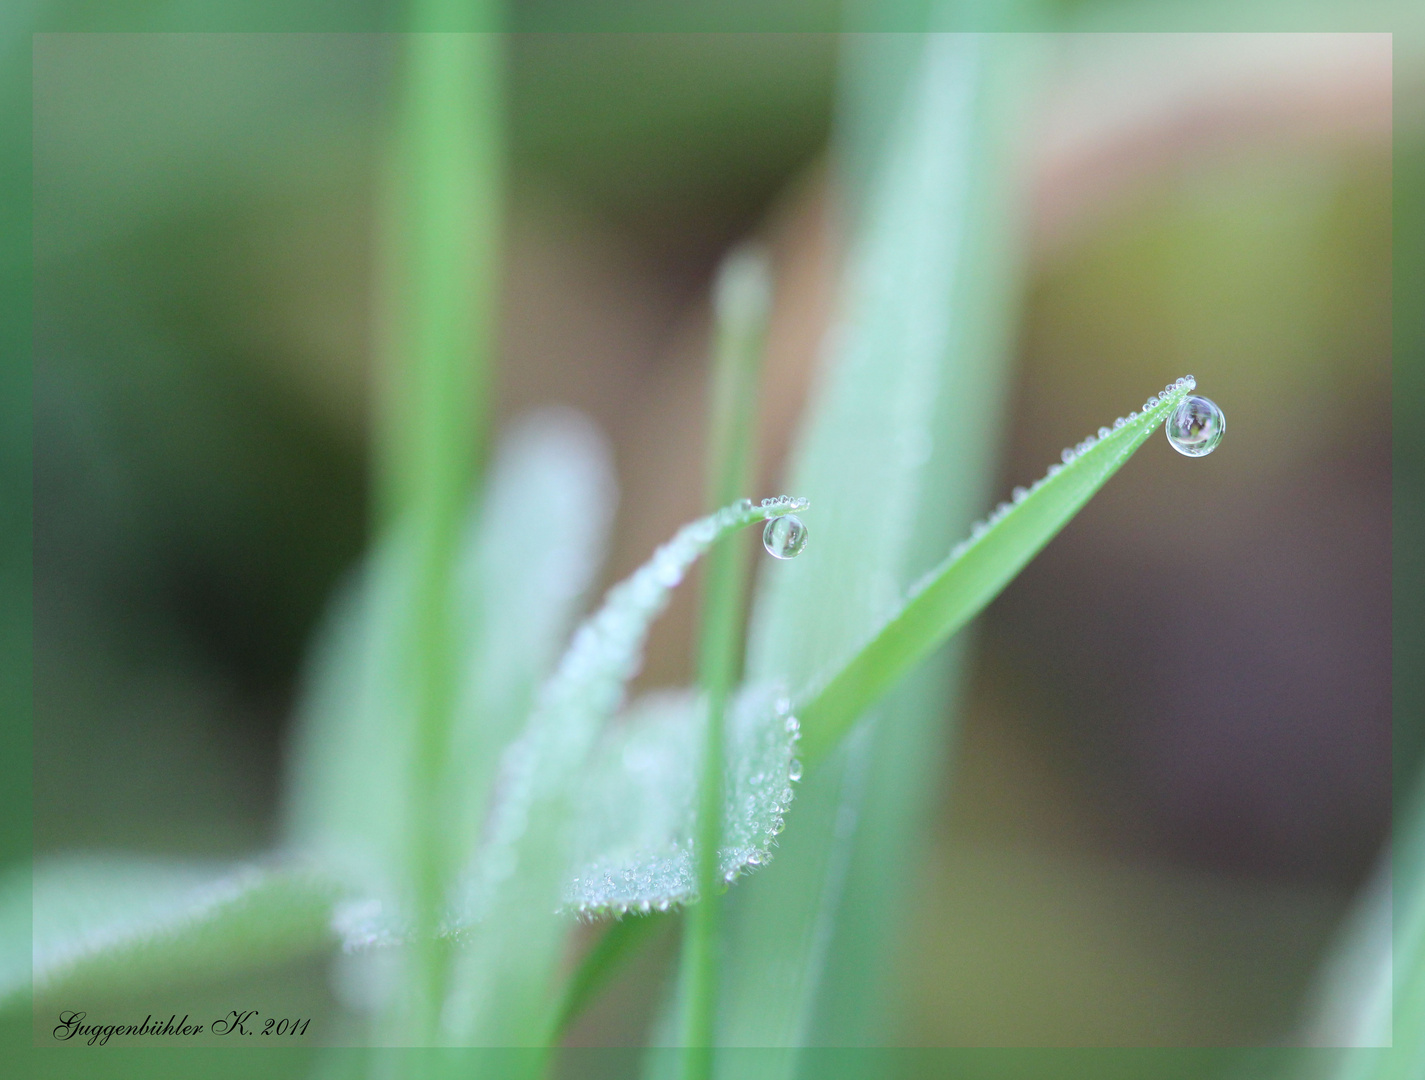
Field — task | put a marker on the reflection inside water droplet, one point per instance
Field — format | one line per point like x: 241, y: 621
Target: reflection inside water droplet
x: 1196, y: 427
x: 784, y: 537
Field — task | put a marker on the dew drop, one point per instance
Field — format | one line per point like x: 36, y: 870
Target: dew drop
x: 1019, y: 494
x: 784, y: 537
x: 794, y: 771
x: 777, y: 826
x: 1067, y: 454
x: 663, y: 905
x: 1103, y: 433
x: 742, y: 505
x: 1196, y: 427
x: 783, y: 706
x: 729, y: 876
x: 793, y: 726
x: 754, y: 858
x: 1119, y: 423
x: 644, y: 907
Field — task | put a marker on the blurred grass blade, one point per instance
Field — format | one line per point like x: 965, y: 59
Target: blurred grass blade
x: 742, y: 300
x: 971, y: 576
x: 119, y: 923
x: 524, y: 564
x: 522, y: 579
x: 502, y: 992
x: 897, y: 455
x: 1381, y: 1010
x: 635, y: 813
x: 438, y: 275
x: 619, y: 943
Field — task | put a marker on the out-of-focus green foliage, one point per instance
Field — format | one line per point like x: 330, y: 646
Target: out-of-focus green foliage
x: 897, y: 456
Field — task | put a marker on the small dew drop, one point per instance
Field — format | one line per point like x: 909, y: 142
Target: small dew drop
x: 1019, y: 494
x: 1055, y: 469
x: 777, y: 826
x: 1196, y: 427
x: 794, y: 771
x: 793, y: 726
x: 645, y: 907
x: 1067, y: 454
x: 754, y: 858
x: 1150, y: 403
x: 1119, y: 423
x: 742, y: 505
x: 663, y: 905
x: 783, y: 705
x: 1103, y: 433
x: 784, y: 537
x: 729, y: 876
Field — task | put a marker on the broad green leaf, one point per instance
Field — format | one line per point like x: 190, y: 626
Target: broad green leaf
x: 111, y: 922
x: 524, y: 565
x: 637, y: 808
x: 506, y: 918
x: 974, y: 572
x: 897, y: 456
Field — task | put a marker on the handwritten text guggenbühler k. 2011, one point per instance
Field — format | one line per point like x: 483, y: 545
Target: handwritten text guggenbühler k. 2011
x: 73, y: 1025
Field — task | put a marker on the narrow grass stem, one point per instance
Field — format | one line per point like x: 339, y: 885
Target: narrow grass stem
x: 741, y: 302
x: 438, y: 277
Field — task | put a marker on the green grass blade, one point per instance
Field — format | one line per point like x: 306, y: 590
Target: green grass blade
x: 439, y: 277
x: 121, y: 923
x: 636, y: 808
x: 523, y: 575
x: 1381, y: 1011
x: 620, y: 942
x: 971, y: 576
x: 897, y: 455
x: 516, y: 592
x: 741, y: 302
x: 502, y: 993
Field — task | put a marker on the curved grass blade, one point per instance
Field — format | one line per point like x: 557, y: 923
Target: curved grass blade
x: 973, y: 574
x: 115, y: 923
x: 637, y: 811
x: 505, y: 913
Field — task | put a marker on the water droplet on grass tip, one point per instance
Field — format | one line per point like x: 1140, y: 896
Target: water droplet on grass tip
x: 794, y: 771
x: 1196, y: 427
x: 784, y: 537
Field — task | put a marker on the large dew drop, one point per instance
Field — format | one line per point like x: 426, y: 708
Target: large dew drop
x: 1196, y: 427
x: 784, y: 537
